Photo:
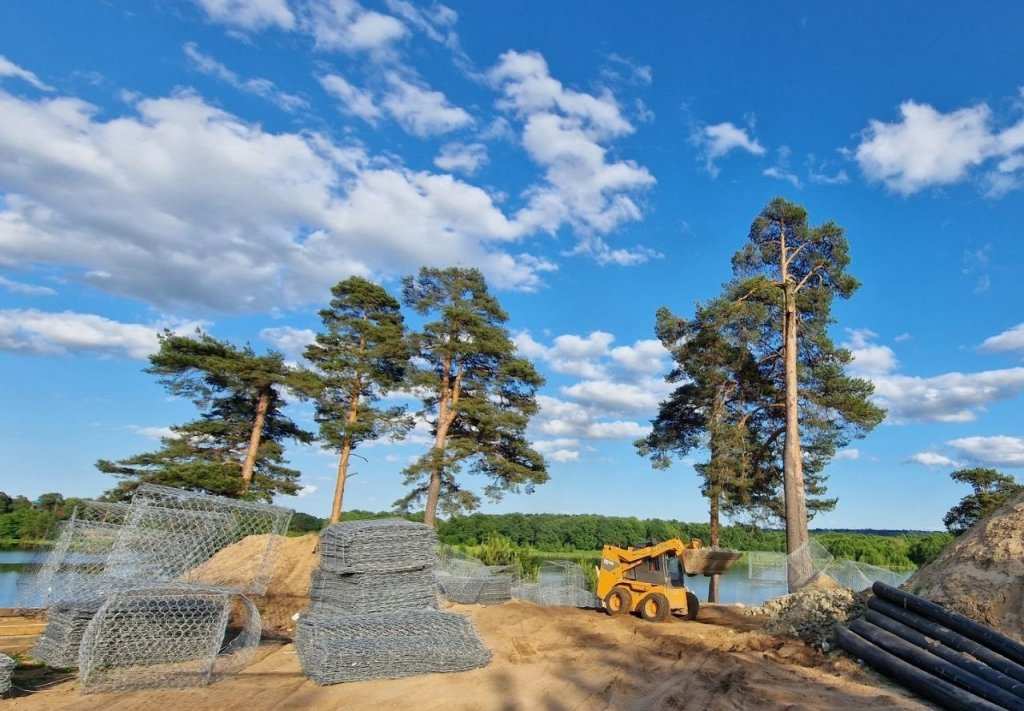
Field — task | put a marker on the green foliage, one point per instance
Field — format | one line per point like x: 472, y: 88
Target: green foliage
x: 361, y: 355
x: 990, y: 489
x: 924, y: 549
x: 480, y: 395
x: 227, y: 383
x: 27, y: 524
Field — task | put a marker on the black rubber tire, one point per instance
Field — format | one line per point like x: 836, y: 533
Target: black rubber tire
x: 662, y: 609
x: 692, y: 606
x: 618, y: 601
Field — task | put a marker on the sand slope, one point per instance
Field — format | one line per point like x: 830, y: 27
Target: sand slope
x: 981, y: 573
x: 554, y: 659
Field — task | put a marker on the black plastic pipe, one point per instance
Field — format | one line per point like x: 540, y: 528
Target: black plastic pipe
x: 943, y: 693
x: 952, y: 656
x: 987, y: 636
x: 948, y: 637
x: 936, y: 666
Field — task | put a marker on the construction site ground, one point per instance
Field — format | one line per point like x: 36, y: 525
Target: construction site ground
x: 548, y: 659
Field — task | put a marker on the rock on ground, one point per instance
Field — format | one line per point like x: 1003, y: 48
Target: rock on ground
x: 811, y: 614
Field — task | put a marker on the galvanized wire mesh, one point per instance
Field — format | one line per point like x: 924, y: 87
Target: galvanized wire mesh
x: 560, y: 583
x: 6, y: 669
x: 334, y: 649
x: 66, y: 622
x: 466, y: 580
x: 377, y: 546
x: 362, y: 593
x: 162, y: 637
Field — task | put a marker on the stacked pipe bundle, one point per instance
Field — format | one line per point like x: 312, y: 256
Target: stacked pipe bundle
x: 373, y: 606
x: 941, y: 655
x: 6, y: 668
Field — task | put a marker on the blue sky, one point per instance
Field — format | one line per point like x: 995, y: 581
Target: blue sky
x: 223, y: 162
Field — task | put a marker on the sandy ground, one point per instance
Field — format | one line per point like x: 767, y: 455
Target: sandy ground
x: 552, y: 659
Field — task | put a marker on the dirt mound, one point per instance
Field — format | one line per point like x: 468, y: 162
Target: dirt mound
x: 288, y: 590
x: 981, y: 573
x: 811, y: 614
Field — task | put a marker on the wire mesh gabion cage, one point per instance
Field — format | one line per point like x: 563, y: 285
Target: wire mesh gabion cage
x: 366, y: 593
x: 7, y: 666
x: 133, y: 600
x: 387, y: 545
x: 560, y: 583
x: 341, y: 648
x: 467, y: 580
x: 174, y: 636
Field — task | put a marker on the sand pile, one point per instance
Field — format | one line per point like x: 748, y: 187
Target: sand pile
x: 981, y: 573
x: 811, y: 614
x: 288, y: 590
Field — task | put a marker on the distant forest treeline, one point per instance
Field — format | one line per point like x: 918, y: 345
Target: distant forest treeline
x: 588, y: 532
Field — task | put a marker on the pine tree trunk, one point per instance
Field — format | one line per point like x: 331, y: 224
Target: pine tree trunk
x: 799, y: 560
x: 713, y: 581
x: 346, y: 452
x: 249, y: 465
x: 434, y: 488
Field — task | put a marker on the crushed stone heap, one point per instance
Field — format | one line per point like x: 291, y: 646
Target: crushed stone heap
x: 373, y: 608
x: 981, y: 573
x: 811, y: 614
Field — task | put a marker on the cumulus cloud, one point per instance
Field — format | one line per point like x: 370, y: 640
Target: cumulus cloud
x: 346, y: 26
x: 183, y: 204
x: 33, y: 332
x: 12, y: 70
x: 869, y: 358
x: 420, y: 110
x: 950, y: 397
x: 561, y: 449
x: 933, y: 459
x: 562, y: 419
x: 17, y: 287
x: 619, y: 396
x: 263, y: 88
x: 1012, y: 339
x: 151, y: 432
x: 352, y: 100
x: 461, y: 157
x: 306, y: 490
x: 289, y: 340
x: 721, y: 139
x: 999, y: 450
x: 565, y: 132
x: 849, y: 454
x: 781, y: 169
x: 644, y: 356
x: 928, y: 148
x: 249, y: 14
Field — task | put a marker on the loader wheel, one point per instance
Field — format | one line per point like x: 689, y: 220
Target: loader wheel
x: 654, y: 608
x: 618, y: 601
x: 692, y: 605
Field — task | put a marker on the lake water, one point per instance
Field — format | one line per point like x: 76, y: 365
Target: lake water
x: 753, y: 580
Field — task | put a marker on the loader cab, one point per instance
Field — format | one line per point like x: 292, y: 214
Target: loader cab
x: 664, y: 569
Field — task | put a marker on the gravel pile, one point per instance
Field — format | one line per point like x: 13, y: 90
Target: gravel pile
x: 810, y: 615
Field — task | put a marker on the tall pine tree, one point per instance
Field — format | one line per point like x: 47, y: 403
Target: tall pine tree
x: 480, y: 394
x: 787, y: 277
x: 361, y: 355
x: 236, y: 447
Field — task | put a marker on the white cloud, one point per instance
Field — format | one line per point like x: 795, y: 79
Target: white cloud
x: 306, y: 490
x: 850, y: 454
x: 420, y: 110
x: 869, y: 358
x: 951, y: 397
x: 720, y: 139
x: 561, y: 419
x: 619, y: 429
x: 60, y: 333
x: 619, y: 396
x: 627, y: 70
x: 997, y: 451
x: 346, y: 26
x: 569, y: 354
x: 1012, y: 339
x: 644, y: 356
x: 153, y: 432
x: 289, y: 340
x: 183, y: 204
x: 928, y: 148
x: 10, y: 69
x: 263, y: 88
x: 933, y: 459
x: 781, y: 169
x: 353, y: 100
x: 461, y: 157
x: 250, y: 14
x: 564, y: 131
x: 562, y: 449
x: 17, y: 287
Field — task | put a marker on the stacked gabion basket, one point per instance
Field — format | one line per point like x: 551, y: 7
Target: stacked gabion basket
x: 6, y: 668
x: 373, y: 611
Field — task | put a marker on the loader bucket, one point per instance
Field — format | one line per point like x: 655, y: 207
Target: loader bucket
x: 705, y: 561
